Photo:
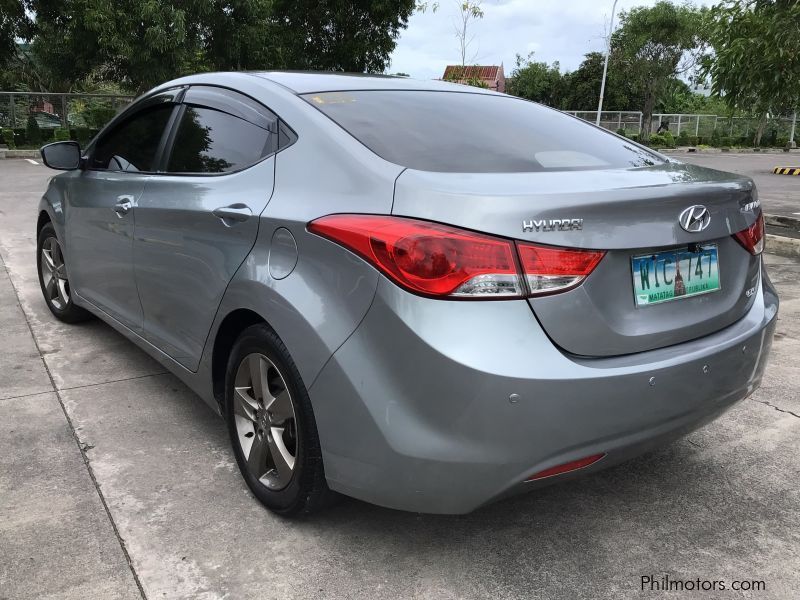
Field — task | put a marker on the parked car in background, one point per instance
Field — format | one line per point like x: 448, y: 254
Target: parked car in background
x: 415, y: 293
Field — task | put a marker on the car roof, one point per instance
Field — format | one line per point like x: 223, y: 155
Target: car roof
x: 306, y: 82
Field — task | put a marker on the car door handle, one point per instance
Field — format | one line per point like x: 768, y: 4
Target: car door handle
x: 123, y: 206
x: 235, y: 212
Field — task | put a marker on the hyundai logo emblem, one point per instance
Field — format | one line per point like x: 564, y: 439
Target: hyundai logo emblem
x: 695, y: 218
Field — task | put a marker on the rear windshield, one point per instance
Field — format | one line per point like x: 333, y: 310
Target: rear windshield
x: 474, y: 133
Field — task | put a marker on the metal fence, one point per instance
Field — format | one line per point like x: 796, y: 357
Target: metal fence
x: 703, y: 127
x: 778, y: 127
x: 52, y: 111
x: 628, y: 120
x: 692, y: 125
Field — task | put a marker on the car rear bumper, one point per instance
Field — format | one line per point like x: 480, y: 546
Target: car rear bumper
x: 414, y: 409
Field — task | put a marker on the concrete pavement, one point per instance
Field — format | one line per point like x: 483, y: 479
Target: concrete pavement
x: 117, y: 482
x: 56, y: 539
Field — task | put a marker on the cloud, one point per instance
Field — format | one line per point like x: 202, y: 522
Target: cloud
x: 555, y: 30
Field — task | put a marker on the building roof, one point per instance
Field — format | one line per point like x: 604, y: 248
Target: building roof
x: 485, y: 72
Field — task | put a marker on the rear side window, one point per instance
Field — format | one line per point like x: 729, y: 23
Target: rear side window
x: 133, y: 145
x: 474, y: 133
x: 211, y: 141
x: 221, y: 131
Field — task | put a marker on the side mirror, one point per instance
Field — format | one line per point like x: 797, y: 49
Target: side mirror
x: 64, y: 156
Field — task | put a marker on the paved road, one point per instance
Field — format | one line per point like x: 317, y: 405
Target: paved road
x: 117, y: 482
x: 779, y: 194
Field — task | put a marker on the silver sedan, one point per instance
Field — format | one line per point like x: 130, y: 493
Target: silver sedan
x: 420, y: 294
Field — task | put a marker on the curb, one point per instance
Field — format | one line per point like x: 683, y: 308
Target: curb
x: 783, y: 246
x: 20, y: 154
x: 781, y: 225
x: 783, y: 235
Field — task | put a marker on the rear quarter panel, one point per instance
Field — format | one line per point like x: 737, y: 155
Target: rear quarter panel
x: 323, y: 299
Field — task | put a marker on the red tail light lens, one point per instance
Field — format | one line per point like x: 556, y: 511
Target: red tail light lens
x: 428, y: 258
x: 752, y: 238
x: 441, y: 261
x: 549, y: 269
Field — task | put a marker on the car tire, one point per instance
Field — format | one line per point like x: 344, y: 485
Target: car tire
x: 271, y: 425
x: 53, y: 280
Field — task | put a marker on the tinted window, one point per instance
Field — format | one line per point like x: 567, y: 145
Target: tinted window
x: 286, y: 137
x: 132, y: 146
x: 212, y: 141
x: 231, y: 102
x: 474, y: 133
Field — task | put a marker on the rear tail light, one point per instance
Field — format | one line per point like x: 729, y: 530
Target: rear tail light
x: 442, y: 261
x: 752, y: 238
x: 549, y: 269
x: 428, y: 258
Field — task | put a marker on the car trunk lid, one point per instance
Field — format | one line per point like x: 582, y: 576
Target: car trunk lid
x: 627, y: 212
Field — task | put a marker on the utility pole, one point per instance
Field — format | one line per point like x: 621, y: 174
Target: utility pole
x: 605, y: 65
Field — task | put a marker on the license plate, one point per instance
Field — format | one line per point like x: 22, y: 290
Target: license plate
x: 675, y: 274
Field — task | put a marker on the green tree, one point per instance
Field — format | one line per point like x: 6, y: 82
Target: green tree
x: 26, y: 72
x: 137, y: 42
x: 656, y: 44
x: 233, y: 34
x: 582, y: 86
x: 14, y: 23
x: 337, y: 35
x: 143, y: 42
x: 536, y: 81
x: 755, y: 64
x: 678, y: 97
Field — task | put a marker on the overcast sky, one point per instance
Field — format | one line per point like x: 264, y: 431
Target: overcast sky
x: 562, y: 30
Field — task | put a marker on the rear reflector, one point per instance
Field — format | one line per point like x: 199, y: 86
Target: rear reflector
x: 752, y: 238
x: 441, y: 261
x: 567, y: 467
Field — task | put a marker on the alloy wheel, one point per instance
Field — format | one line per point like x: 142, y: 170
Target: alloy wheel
x: 265, y: 421
x: 54, y: 274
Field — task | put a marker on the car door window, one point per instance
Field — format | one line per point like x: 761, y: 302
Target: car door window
x: 133, y: 145
x: 221, y: 131
x: 211, y: 141
x: 231, y: 102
